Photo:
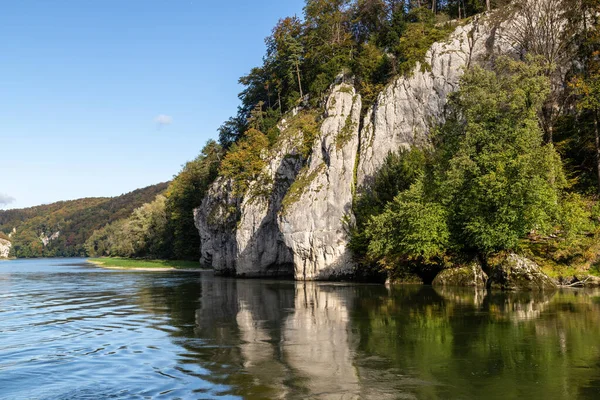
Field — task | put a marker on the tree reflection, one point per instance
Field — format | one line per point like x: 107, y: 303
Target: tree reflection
x: 273, y: 339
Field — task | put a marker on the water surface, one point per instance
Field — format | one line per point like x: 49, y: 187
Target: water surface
x: 69, y: 330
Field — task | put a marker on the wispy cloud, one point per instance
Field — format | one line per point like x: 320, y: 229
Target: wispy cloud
x: 163, y: 120
x: 6, y: 199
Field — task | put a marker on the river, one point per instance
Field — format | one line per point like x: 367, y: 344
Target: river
x: 69, y: 330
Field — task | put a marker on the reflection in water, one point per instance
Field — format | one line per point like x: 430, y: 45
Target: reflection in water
x: 317, y: 344
x: 79, y: 332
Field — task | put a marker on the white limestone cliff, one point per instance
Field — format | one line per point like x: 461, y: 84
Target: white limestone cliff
x: 5, y: 246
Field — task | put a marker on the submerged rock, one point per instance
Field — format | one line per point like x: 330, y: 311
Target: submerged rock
x: 469, y: 276
x: 514, y: 272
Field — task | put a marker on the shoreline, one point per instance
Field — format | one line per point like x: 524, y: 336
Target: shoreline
x: 102, y: 264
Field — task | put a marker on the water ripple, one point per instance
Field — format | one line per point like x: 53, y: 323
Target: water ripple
x: 68, y: 331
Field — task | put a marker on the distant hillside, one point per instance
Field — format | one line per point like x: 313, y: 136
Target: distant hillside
x: 61, y: 229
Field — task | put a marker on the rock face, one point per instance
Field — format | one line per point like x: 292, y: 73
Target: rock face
x: 292, y: 221
x: 46, y: 239
x: 5, y: 246
x: 469, y: 276
x: 406, y: 110
x: 514, y: 272
x: 313, y: 225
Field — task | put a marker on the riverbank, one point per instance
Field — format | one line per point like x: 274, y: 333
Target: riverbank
x: 146, y: 265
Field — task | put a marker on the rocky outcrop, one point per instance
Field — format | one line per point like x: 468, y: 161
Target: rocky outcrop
x: 469, y: 276
x: 293, y: 220
x: 46, y: 239
x: 5, y: 246
x: 290, y: 222
x: 405, y: 111
x: 216, y: 221
x: 513, y: 272
x: 313, y: 223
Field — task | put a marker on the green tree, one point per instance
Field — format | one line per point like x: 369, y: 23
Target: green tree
x: 411, y: 228
x: 244, y: 161
x: 328, y: 42
x: 400, y: 170
x: 185, y: 194
x: 490, y: 180
x: 494, y: 173
x: 586, y: 84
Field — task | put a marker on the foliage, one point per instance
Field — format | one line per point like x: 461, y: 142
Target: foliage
x: 398, y: 173
x: 371, y: 40
x: 489, y: 182
x: 140, y: 235
x: 494, y: 173
x: 305, y: 122
x: 76, y: 220
x: 586, y: 83
x: 420, y: 33
x: 163, y: 228
x: 245, y: 160
x: 185, y: 193
x: 410, y: 226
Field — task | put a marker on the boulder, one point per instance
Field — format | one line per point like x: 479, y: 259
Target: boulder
x: 470, y: 276
x: 514, y: 272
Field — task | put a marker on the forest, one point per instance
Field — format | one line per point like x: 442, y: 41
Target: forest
x: 61, y: 229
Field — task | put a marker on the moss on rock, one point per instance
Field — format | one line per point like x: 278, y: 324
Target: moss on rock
x: 513, y: 272
x: 469, y: 276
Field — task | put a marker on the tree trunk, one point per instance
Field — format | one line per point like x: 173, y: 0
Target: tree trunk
x: 548, y: 121
x: 488, y: 7
x: 597, y: 133
x: 299, y: 81
x: 279, y: 101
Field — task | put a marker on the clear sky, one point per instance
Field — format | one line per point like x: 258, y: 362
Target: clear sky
x: 84, y: 82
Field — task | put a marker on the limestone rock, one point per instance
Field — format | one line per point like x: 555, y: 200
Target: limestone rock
x: 5, y: 246
x: 514, y: 272
x: 406, y: 110
x: 216, y: 222
x: 313, y: 225
x: 469, y: 276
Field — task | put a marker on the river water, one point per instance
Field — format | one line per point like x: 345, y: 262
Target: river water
x: 69, y: 330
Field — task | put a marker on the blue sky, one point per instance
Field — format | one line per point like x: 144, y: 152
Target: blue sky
x: 82, y: 83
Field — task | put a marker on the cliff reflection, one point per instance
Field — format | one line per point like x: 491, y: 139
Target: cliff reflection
x: 274, y: 339
x: 317, y: 341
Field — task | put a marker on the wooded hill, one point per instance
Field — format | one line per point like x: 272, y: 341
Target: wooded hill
x: 66, y: 225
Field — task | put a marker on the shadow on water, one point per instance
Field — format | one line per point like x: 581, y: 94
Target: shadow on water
x: 274, y: 339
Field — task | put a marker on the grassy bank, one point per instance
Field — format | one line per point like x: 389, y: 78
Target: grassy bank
x: 145, y: 265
